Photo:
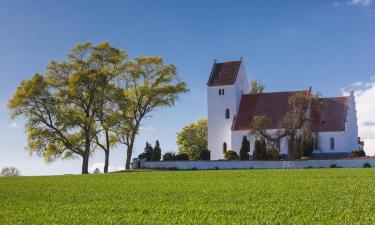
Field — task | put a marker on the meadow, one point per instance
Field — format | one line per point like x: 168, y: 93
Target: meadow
x: 298, y: 196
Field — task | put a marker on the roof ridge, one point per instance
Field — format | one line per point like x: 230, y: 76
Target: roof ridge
x: 277, y: 92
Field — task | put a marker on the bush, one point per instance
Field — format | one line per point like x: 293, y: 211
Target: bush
x: 169, y: 156
x: 231, y: 155
x: 305, y: 158
x: 205, y: 155
x: 366, y: 165
x: 307, y: 147
x: 260, y: 151
x: 272, y: 153
x: 245, y: 149
x: 182, y: 157
x: 333, y: 166
x: 357, y: 153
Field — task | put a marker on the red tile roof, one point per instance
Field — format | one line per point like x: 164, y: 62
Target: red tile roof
x: 272, y: 105
x: 332, y: 112
x: 224, y: 73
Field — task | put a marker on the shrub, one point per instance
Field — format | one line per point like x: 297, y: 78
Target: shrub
x: 357, y: 153
x: 205, y: 155
x: 169, y: 156
x: 333, y: 166
x: 182, y: 157
x: 305, y: 158
x: 245, y: 149
x: 272, y: 153
x: 366, y: 165
x: 142, y: 156
x: 260, y: 151
x: 307, y: 147
x: 231, y: 155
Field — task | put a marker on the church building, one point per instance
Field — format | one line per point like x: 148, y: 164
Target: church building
x: 231, y: 109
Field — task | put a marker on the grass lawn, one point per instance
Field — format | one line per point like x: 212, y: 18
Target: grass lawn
x: 305, y: 196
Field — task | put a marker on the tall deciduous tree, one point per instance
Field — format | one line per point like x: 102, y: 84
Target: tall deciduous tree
x: 193, y: 139
x: 148, y: 84
x: 60, y: 106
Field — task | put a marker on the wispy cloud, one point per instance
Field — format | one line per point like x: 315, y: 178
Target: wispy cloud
x: 365, y: 3
x: 288, y: 29
x: 14, y: 125
x: 365, y: 95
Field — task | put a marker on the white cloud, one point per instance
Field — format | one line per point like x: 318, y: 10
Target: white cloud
x: 14, y: 124
x: 101, y: 167
x: 365, y: 3
x: 365, y: 95
x: 149, y: 128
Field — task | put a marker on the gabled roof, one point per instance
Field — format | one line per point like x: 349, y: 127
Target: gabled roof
x: 332, y: 112
x: 224, y: 73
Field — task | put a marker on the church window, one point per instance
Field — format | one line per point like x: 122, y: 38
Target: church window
x: 227, y: 114
x: 224, y: 147
x: 222, y: 91
x: 332, y: 143
x: 219, y: 91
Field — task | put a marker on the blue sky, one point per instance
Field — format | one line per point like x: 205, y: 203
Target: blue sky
x: 289, y: 45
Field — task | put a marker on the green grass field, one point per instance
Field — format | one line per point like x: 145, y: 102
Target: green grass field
x: 309, y: 196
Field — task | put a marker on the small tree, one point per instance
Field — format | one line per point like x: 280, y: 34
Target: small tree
x: 260, y: 151
x: 97, y: 171
x: 257, y: 87
x: 156, y: 153
x: 245, y: 149
x: 148, y: 151
x: 10, y: 172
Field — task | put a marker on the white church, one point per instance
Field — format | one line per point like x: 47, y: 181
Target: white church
x: 231, y: 108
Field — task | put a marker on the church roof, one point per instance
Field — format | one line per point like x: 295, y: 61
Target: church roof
x: 224, y: 73
x: 332, y: 112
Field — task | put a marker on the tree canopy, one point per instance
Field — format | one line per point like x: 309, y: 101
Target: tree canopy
x: 193, y: 139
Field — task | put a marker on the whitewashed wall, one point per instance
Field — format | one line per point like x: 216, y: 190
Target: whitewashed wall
x: 206, y: 165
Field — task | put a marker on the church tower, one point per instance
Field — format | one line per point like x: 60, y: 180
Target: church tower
x: 226, y: 85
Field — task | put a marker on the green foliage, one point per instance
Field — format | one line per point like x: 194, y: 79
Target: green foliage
x: 231, y: 155
x: 260, y: 150
x: 148, y: 151
x: 205, y: 155
x: 97, y: 171
x: 357, y: 153
x: 10, y: 172
x: 272, y: 153
x: 366, y: 165
x: 156, y: 152
x: 298, y: 196
x: 193, y: 139
x: 245, y: 149
x: 257, y: 87
x: 182, y: 157
x: 169, y: 156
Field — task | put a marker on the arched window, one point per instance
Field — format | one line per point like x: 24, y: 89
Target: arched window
x: 222, y: 91
x: 219, y: 91
x: 332, y: 143
x: 224, y: 147
x: 227, y: 114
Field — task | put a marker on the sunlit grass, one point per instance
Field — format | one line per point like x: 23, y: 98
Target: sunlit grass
x: 306, y: 196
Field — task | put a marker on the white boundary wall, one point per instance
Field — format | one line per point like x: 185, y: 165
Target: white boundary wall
x: 207, y: 165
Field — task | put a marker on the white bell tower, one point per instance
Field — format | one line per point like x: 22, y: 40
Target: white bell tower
x: 225, y: 87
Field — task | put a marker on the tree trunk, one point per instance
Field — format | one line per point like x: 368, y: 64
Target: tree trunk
x: 106, y: 161
x: 129, y: 153
x: 85, y: 163
x: 106, y: 152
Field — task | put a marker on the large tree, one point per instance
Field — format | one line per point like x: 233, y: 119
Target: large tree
x: 60, y: 107
x: 148, y: 84
x: 256, y: 87
x: 298, y: 125
x: 193, y: 139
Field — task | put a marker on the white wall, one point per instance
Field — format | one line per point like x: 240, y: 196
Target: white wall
x: 204, y: 165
